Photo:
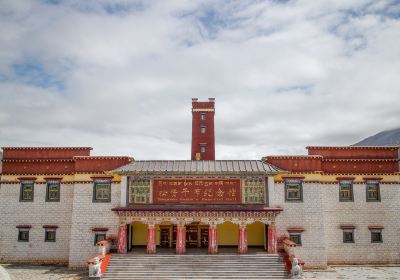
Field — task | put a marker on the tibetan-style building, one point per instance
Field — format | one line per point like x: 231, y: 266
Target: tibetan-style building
x: 336, y: 205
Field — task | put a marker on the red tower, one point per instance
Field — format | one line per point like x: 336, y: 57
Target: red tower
x: 203, y: 139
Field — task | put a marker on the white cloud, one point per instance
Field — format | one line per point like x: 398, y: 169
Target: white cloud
x: 285, y: 74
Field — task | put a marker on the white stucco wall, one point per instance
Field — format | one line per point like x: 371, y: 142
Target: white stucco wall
x: 86, y: 215
x: 36, y: 213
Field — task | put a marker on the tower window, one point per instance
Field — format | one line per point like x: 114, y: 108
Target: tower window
x: 202, y: 149
x: 203, y: 129
x: 203, y: 116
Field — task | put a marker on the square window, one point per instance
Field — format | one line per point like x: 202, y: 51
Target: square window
x: 373, y: 191
x: 202, y: 149
x: 139, y: 190
x: 53, y: 191
x: 50, y: 236
x: 102, y: 191
x: 296, y: 238
x: 348, y: 236
x: 99, y: 237
x: 293, y: 190
x: 203, y: 116
x: 23, y: 235
x: 26, y: 191
x: 376, y: 236
x: 203, y: 129
x: 346, y: 190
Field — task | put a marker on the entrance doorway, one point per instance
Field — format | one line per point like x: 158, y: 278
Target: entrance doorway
x: 196, y: 236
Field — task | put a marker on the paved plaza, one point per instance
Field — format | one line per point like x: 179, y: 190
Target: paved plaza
x: 30, y: 272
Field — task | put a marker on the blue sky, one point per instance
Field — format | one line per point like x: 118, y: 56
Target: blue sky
x: 119, y: 75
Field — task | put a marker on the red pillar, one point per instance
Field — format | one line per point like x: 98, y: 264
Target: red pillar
x: 181, y: 239
x: 272, y: 239
x: 151, y: 239
x: 242, y: 248
x: 122, y: 248
x: 212, y: 239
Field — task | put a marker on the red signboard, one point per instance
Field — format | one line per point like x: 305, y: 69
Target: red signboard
x: 217, y: 191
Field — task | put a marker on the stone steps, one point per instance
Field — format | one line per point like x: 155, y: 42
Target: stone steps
x: 195, y: 266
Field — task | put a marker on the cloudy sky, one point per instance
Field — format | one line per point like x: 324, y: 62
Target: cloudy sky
x: 119, y: 75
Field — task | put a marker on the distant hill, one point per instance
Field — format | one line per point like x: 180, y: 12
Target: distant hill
x: 384, y: 138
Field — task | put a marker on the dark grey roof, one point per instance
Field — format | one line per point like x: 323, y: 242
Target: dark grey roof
x: 197, y: 167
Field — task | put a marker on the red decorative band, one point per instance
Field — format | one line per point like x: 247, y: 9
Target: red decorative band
x: 375, y: 227
x: 53, y: 178
x: 295, y: 229
x: 293, y: 177
x: 100, y: 229
x: 27, y: 178
x: 372, y: 178
x: 345, y: 178
x: 102, y: 177
x: 50, y: 226
x: 23, y: 226
x: 347, y: 227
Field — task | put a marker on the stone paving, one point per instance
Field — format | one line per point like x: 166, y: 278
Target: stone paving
x: 31, y: 272
x: 356, y: 273
x: 39, y: 272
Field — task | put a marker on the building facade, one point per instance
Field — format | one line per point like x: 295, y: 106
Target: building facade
x: 338, y: 204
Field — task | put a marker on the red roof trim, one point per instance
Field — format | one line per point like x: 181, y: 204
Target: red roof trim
x: 100, y: 157
x: 200, y: 209
x: 38, y: 160
x: 359, y: 160
x: 295, y: 157
x: 50, y: 226
x: 23, y: 226
x: 47, y: 148
x: 352, y: 147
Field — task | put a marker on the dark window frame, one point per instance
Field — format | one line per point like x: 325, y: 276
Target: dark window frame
x: 97, y: 235
x: 352, y: 240
x: 21, y: 193
x: 203, y: 127
x: 46, y: 235
x: 378, y: 191
x: 351, y: 191
x: 296, y: 235
x: 203, y: 147
x: 48, y: 184
x: 379, y: 232
x: 203, y: 116
x: 95, y: 185
x: 20, y: 235
x: 291, y: 182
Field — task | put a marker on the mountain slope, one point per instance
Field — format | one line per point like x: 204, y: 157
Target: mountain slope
x: 384, y: 138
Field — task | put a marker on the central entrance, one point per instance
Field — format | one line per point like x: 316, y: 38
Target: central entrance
x: 196, y: 236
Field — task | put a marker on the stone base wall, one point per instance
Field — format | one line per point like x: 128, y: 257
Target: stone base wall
x: 36, y: 214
